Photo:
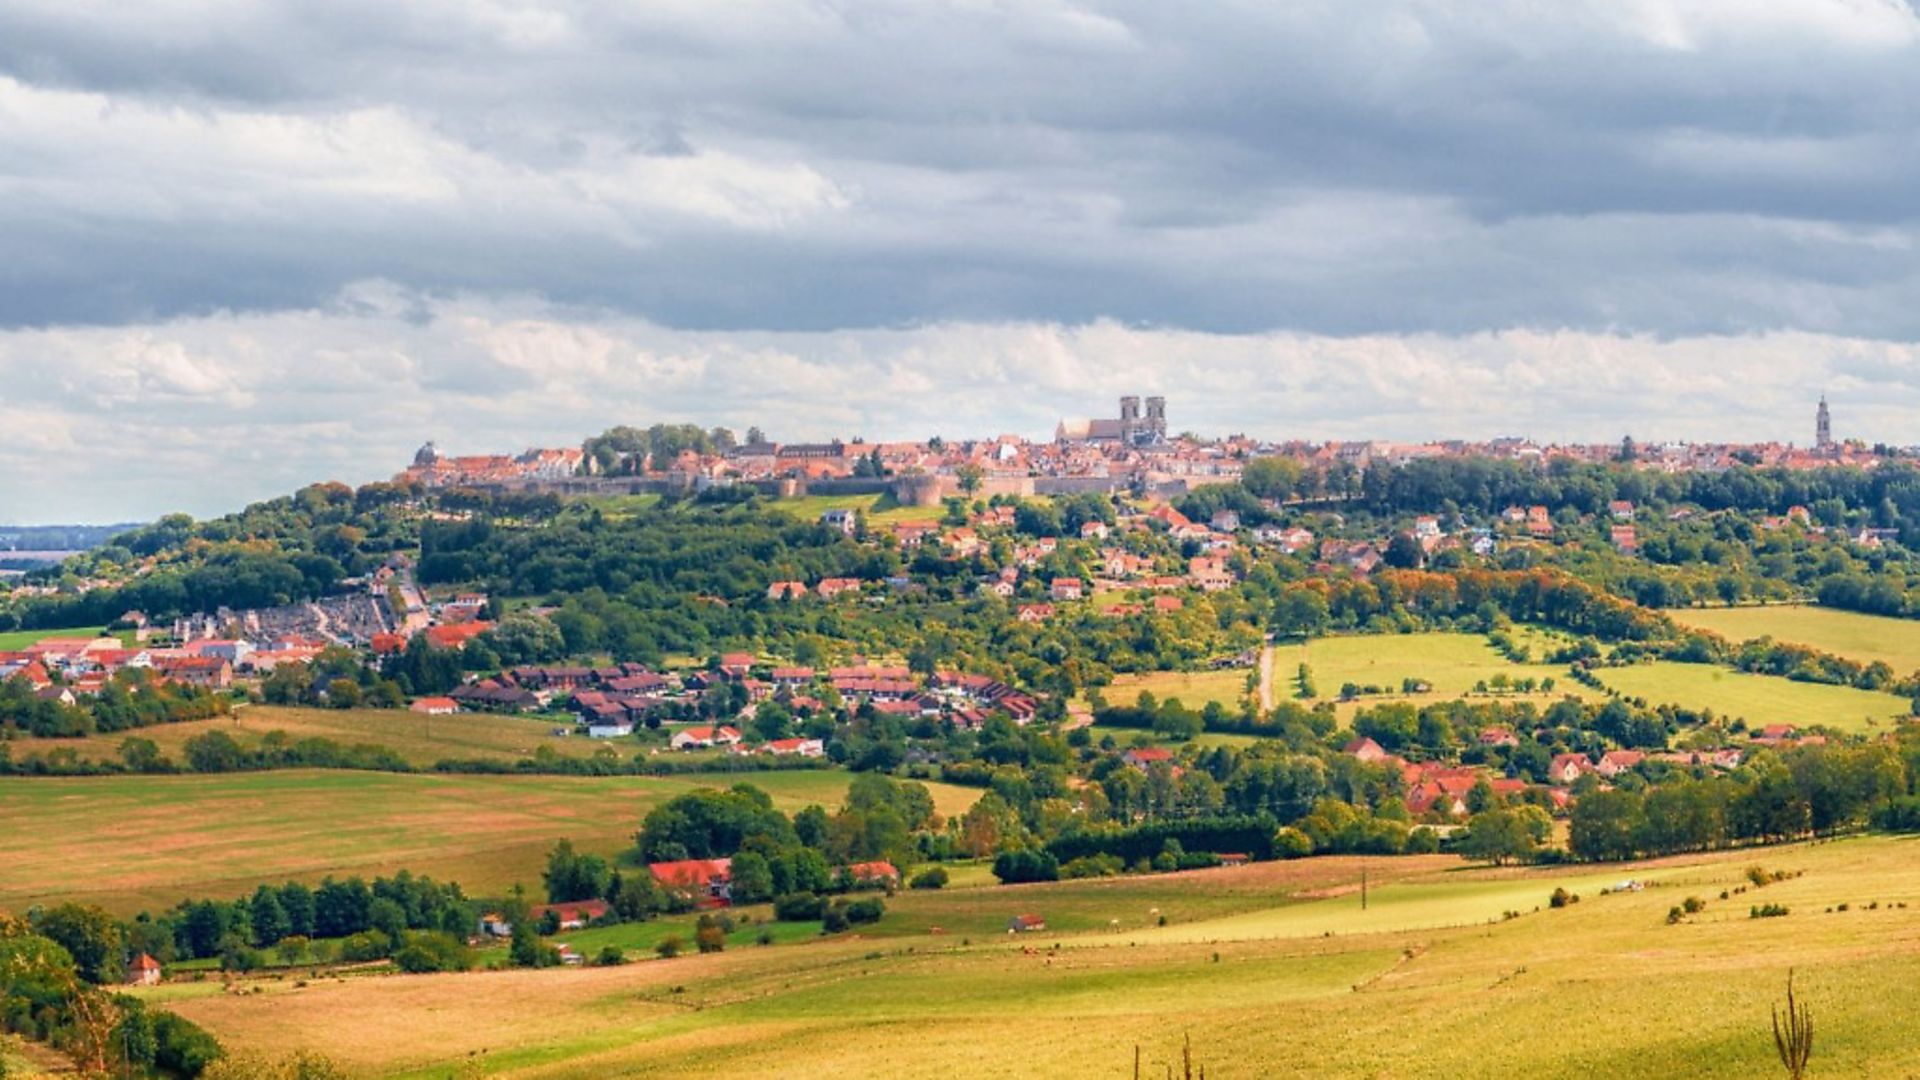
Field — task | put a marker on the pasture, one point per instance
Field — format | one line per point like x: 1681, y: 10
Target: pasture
x: 13, y: 640
x: 1757, y: 699
x: 1271, y: 970
x: 421, y: 740
x: 1193, y: 688
x: 1452, y: 663
x: 132, y: 842
x: 880, y: 510
x: 1865, y: 638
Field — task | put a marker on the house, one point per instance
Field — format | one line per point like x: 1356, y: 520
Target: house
x: 569, y: 956
x: 1145, y: 757
x: 1366, y: 750
x: 792, y: 677
x: 1622, y: 510
x: 494, y: 924
x: 1225, y: 521
x: 796, y: 747
x: 144, y: 971
x: 1066, y: 588
x: 1025, y: 924
x: 873, y: 874
x: 1498, y: 736
x: 1615, y: 762
x: 1426, y: 527
x: 574, y: 915
x: 700, y: 738
x: 1567, y: 768
x: 836, y: 586
x: 786, y: 590
x: 206, y: 672
x: 709, y: 881
x: 1033, y: 613
x: 1624, y: 539
x: 434, y: 706
x: 1539, y: 521
x: 1095, y: 530
x: 612, y: 723
x: 842, y: 521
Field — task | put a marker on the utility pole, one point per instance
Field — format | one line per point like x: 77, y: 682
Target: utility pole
x: 1363, y: 886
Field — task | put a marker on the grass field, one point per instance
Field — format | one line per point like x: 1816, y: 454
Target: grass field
x: 1865, y: 638
x: 422, y: 740
x: 880, y: 509
x: 1271, y: 970
x: 13, y: 640
x: 129, y: 842
x: 1758, y: 699
x: 1193, y: 688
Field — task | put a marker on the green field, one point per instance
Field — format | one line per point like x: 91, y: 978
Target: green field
x: 1192, y: 688
x: 1452, y: 663
x: 1865, y: 638
x: 1758, y: 699
x: 14, y: 640
x: 1271, y: 970
x: 421, y: 740
x: 129, y: 842
x: 880, y: 509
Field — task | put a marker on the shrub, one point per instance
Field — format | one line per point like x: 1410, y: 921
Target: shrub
x: 1767, y: 911
x: 868, y: 910
x: 1694, y: 905
x: 427, y: 952
x: 1088, y: 866
x: 799, y: 907
x: 1291, y: 843
x: 710, y: 938
x: 1561, y: 898
x: 1012, y: 867
x: 670, y: 947
x: 610, y: 956
x: 365, y: 945
x: 933, y: 877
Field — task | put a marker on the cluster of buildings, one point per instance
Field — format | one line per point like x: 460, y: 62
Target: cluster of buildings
x: 614, y: 701
x: 85, y: 666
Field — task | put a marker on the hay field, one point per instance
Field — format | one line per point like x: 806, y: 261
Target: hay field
x: 1758, y: 699
x: 1865, y: 638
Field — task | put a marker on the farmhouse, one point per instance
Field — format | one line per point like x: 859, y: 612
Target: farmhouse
x: 1146, y: 757
x: 700, y: 738
x: 1025, y: 924
x: 1615, y: 762
x: 708, y: 881
x: 434, y: 706
x: 1066, y: 588
x: 1567, y: 768
x: 795, y: 747
x: 1366, y: 750
x: 144, y: 971
x: 572, y: 916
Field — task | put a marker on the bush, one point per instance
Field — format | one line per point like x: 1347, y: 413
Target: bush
x: 1694, y: 905
x: 1088, y: 866
x: 428, y: 952
x: 610, y: 956
x: 835, y: 921
x: 1291, y: 843
x: 670, y: 947
x: 710, y: 938
x: 365, y: 945
x: 799, y: 907
x: 1561, y: 898
x: 1767, y: 911
x: 1013, y: 867
x: 868, y: 910
x: 933, y: 877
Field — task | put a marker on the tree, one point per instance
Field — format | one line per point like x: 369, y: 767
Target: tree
x: 269, y: 919
x: 572, y: 876
x: 89, y: 935
x: 1501, y: 835
x: 970, y: 476
x: 751, y: 878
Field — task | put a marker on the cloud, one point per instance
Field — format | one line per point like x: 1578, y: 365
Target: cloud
x: 201, y: 413
x: 324, y: 231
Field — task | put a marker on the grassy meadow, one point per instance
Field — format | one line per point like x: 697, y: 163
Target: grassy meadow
x: 1758, y: 699
x: 128, y: 842
x: 1193, y: 688
x: 881, y: 510
x: 421, y: 740
x: 14, y: 640
x: 1271, y: 970
x: 1865, y: 638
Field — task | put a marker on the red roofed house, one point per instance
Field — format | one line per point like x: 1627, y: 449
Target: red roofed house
x: 698, y: 738
x: 1033, y: 613
x: 144, y: 971
x: 1615, y: 762
x: 1144, y: 757
x: 434, y: 706
x: 873, y: 874
x: 786, y: 590
x: 572, y: 915
x: 1025, y: 924
x: 1066, y: 588
x: 835, y: 586
x: 710, y: 881
x: 1567, y: 768
x: 1366, y: 750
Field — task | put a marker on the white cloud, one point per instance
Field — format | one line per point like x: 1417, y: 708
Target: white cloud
x: 214, y: 410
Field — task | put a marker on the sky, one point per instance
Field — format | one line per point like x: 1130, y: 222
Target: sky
x: 249, y: 245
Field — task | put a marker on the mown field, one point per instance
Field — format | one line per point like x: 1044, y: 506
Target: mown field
x: 880, y: 509
x: 1865, y: 638
x: 1758, y: 699
x: 1271, y: 970
x: 129, y: 842
x: 14, y: 640
x: 1192, y: 688
x: 421, y: 740
x: 1452, y: 663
